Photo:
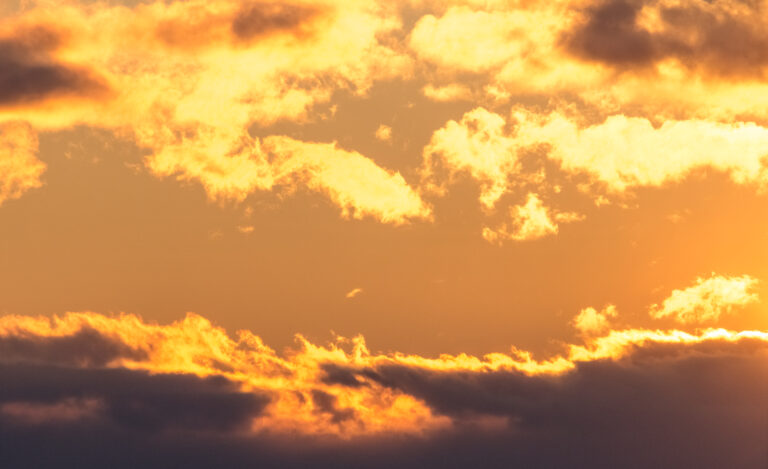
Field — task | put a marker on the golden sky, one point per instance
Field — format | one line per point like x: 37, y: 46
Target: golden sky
x: 348, y: 224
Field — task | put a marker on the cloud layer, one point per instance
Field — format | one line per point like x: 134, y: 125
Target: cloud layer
x: 624, y: 396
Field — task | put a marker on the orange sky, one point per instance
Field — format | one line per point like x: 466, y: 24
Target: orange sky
x: 439, y: 177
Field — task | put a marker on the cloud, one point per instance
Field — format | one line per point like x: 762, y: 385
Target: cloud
x: 355, y: 183
x: 20, y: 170
x: 286, y: 62
x: 477, y: 145
x: 707, y: 300
x: 384, y: 133
x: 508, y: 48
x: 613, y: 56
x: 279, y: 62
x: 29, y: 73
x: 611, y: 34
x: 86, y: 347
x: 591, y: 322
x: 624, y: 398
x: 451, y: 92
x: 132, y: 400
x: 530, y: 221
x: 621, y: 153
x: 719, y: 38
x: 341, y: 390
x: 625, y: 152
x: 262, y: 18
x: 471, y: 40
x: 354, y: 292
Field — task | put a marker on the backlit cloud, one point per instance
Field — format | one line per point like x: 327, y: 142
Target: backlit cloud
x: 530, y: 221
x: 354, y: 292
x: 707, y: 300
x: 619, y: 154
x: 625, y: 152
x: 477, y: 145
x: 190, y: 379
x: 278, y: 61
x: 20, y: 170
x: 591, y: 322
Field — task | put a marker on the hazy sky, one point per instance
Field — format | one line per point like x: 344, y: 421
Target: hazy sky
x: 584, y: 180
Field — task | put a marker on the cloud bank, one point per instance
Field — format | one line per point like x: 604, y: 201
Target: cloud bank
x: 165, y: 394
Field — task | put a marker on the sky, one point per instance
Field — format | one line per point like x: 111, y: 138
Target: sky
x: 414, y: 233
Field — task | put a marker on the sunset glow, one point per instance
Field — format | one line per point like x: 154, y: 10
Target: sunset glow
x: 376, y: 234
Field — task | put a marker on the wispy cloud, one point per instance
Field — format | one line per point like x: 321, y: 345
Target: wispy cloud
x: 354, y: 292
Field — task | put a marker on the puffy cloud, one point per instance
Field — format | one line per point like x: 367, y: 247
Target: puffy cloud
x: 707, y: 300
x: 513, y: 46
x: 476, y: 40
x: 591, y: 322
x: 625, y: 152
x: 278, y: 61
x: 621, y: 153
x: 482, y: 146
x: 384, y: 133
x: 613, y: 55
x: 530, y: 221
x: 477, y: 145
x: 20, y: 170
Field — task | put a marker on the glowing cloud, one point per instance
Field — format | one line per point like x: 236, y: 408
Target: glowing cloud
x: 384, y: 133
x: 591, y: 322
x: 122, y: 372
x: 621, y: 153
x: 278, y: 61
x: 707, y: 300
x: 530, y: 221
x: 20, y: 170
x: 471, y: 40
x: 342, y: 389
x: 355, y: 183
x: 625, y: 152
x: 478, y: 146
x: 354, y: 292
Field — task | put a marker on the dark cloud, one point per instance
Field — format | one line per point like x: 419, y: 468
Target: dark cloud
x: 29, y: 73
x: 86, y: 347
x: 136, y: 400
x: 717, y: 41
x: 253, y: 21
x: 663, y: 406
x: 611, y: 35
x: 328, y: 404
x: 262, y: 19
x: 335, y: 374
